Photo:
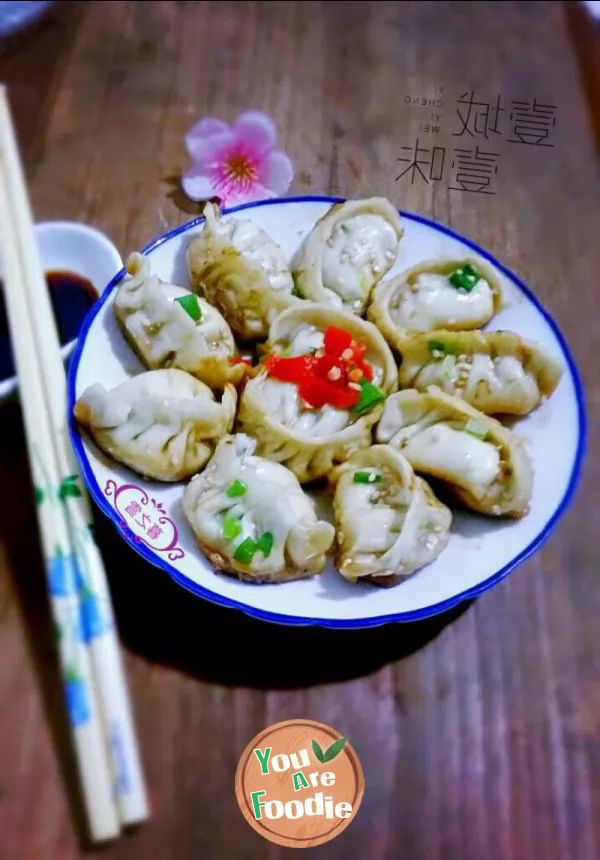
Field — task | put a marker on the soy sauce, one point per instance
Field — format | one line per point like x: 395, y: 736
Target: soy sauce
x: 71, y: 296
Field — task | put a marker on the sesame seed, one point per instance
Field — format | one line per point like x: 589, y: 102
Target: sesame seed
x: 348, y: 354
x: 334, y: 373
x: 354, y: 385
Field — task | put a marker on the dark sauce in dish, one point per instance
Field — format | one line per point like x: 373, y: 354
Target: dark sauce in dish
x: 71, y: 295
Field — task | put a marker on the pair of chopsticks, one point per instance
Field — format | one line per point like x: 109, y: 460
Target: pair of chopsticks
x: 96, y: 696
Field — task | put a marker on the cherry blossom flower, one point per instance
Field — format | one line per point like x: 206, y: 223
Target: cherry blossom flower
x: 236, y: 163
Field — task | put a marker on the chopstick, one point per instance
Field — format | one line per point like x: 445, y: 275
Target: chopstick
x: 110, y: 771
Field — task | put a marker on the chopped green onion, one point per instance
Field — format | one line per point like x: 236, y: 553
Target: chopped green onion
x: 436, y: 348
x: 238, y: 488
x: 475, y: 428
x: 465, y: 278
x: 448, y: 365
x: 245, y: 551
x: 265, y: 544
x: 363, y: 285
x: 366, y: 478
x: 369, y: 396
x: 191, y: 306
x: 296, y: 292
x: 440, y: 348
x: 232, y: 527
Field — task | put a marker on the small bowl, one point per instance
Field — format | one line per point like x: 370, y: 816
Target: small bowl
x: 73, y: 247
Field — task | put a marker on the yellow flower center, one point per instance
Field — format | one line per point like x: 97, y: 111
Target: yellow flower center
x: 239, y: 168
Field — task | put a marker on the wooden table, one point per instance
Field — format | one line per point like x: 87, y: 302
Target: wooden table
x: 479, y: 733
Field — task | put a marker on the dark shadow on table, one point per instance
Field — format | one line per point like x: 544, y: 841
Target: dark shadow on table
x: 164, y: 623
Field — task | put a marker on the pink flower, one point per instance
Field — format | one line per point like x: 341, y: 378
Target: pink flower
x: 237, y: 164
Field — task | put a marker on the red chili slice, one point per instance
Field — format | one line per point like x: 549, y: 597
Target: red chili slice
x: 336, y: 340
x: 324, y: 379
x: 321, y: 392
x: 288, y: 369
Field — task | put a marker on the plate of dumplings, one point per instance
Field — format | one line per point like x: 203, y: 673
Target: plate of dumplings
x: 325, y: 411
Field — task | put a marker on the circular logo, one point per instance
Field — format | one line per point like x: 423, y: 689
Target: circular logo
x: 299, y: 783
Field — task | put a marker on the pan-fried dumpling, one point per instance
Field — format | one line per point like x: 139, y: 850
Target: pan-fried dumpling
x: 312, y: 403
x: 388, y: 521
x: 163, y: 424
x: 497, y: 372
x: 169, y: 326
x: 485, y: 465
x: 240, y: 270
x: 455, y: 293
x: 252, y: 518
x: 349, y: 249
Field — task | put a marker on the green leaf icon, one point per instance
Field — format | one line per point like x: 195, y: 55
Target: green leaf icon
x: 38, y: 495
x: 68, y: 488
x: 318, y: 751
x: 335, y: 749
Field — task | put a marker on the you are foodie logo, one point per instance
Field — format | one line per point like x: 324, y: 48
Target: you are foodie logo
x: 299, y: 783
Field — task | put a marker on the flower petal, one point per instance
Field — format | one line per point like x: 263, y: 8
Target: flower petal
x: 256, y: 130
x: 276, y: 172
x: 198, y: 186
x: 208, y: 150
x: 207, y: 127
x: 237, y: 196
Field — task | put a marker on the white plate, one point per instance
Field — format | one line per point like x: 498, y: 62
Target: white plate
x: 481, y: 552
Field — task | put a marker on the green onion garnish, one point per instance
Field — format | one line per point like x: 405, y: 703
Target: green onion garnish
x: 191, y: 306
x: 245, y: 551
x: 366, y: 478
x: 369, y: 395
x: 232, y: 527
x: 465, y: 278
x: 436, y: 348
x: 296, y: 292
x: 475, y: 428
x: 238, y: 488
x: 440, y: 348
x: 265, y: 544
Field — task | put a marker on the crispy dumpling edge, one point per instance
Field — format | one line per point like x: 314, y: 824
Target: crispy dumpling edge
x: 372, y: 458
x: 248, y: 271
x: 306, y: 265
x: 310, y: 459
x: 537, y: 360
x: 101, y: 436
x: 378, y: 308
x: 214, y: 371
x: 521, y: 464
x: 231, y: 567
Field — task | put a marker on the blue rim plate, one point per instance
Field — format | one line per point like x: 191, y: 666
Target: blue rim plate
x: 434, y: 608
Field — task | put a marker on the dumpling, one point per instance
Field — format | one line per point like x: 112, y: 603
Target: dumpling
x: 454, y: 293
x: 485, y: 465
x: 495, y: 371
x: 169, y: 326
x: 252, y: 518
x: 163, y: 424
x: 388, y: 521
x: 320, y: 389
x: 240, y: 270
x: 349, y: 249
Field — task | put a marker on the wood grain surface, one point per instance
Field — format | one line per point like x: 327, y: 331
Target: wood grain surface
x: 479, y: 732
